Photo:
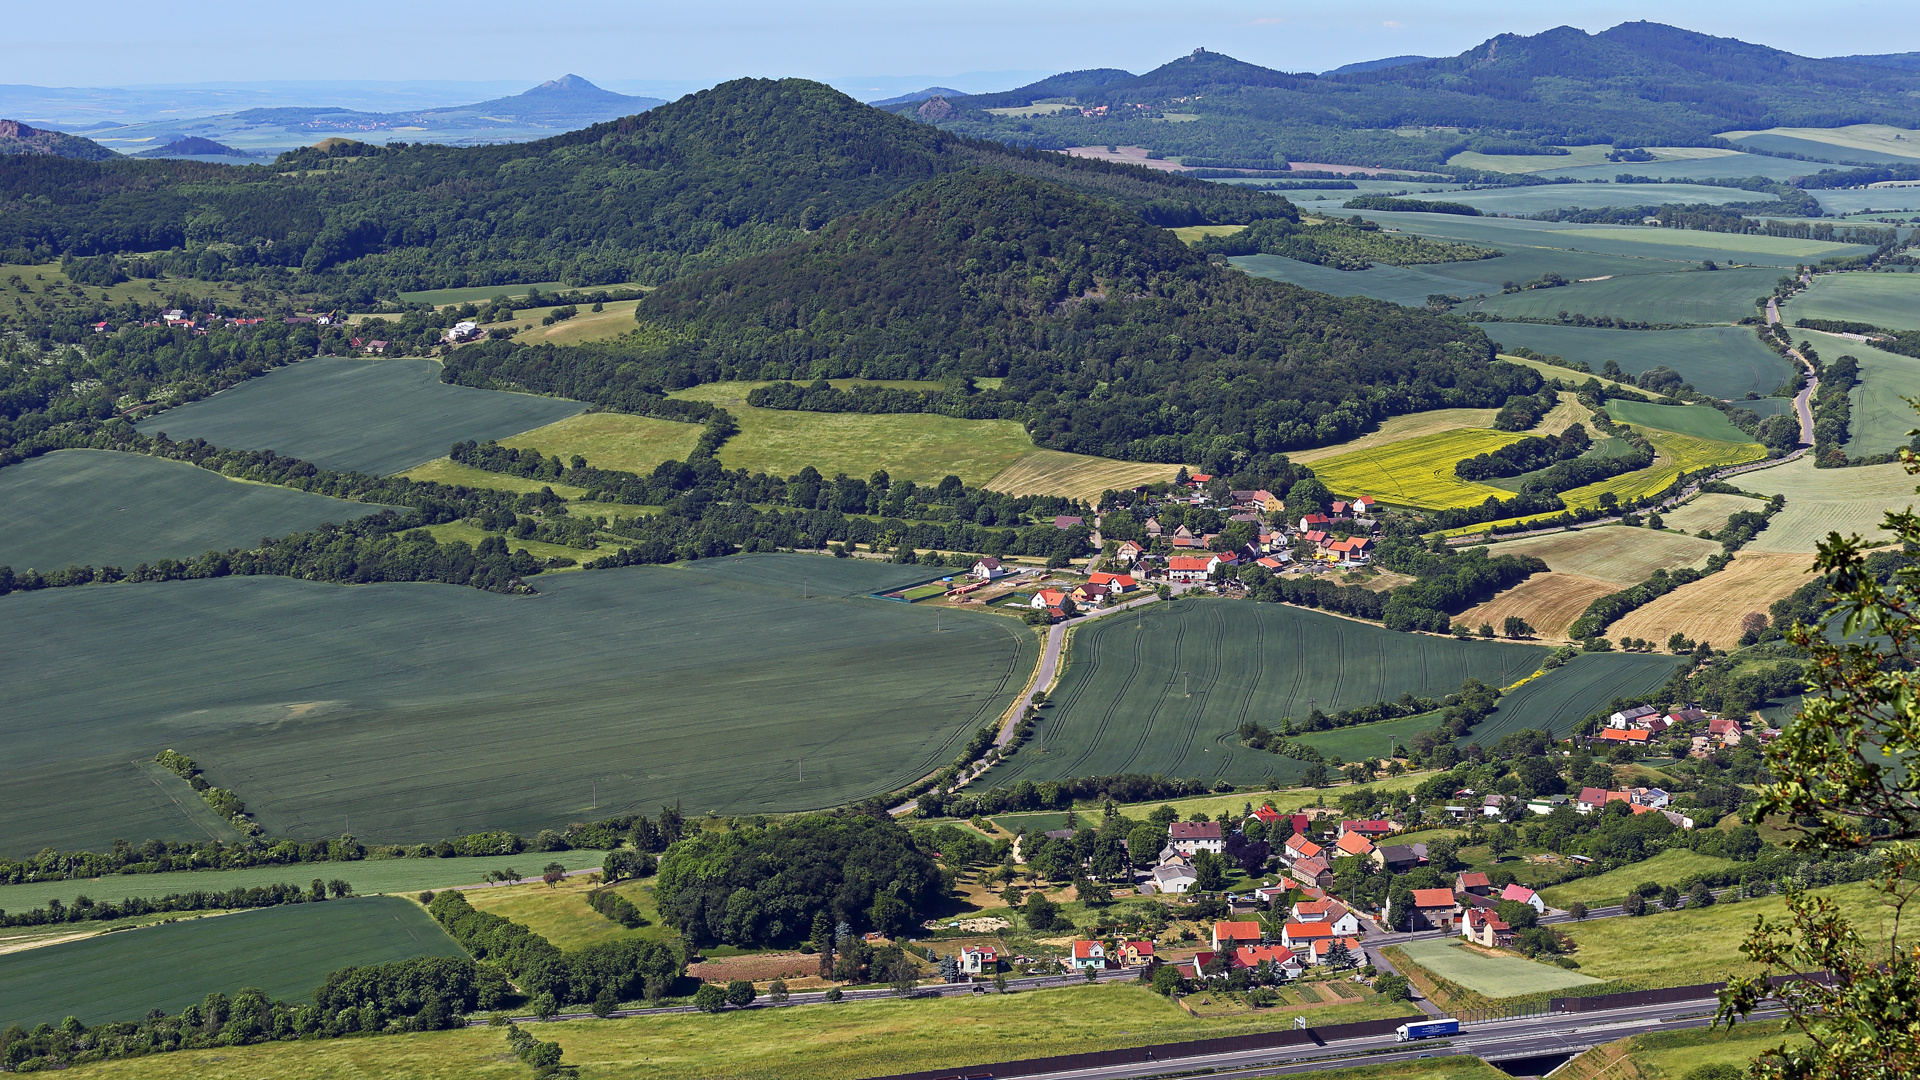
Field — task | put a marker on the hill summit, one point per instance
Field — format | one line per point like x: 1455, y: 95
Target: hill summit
x: 19, y: 138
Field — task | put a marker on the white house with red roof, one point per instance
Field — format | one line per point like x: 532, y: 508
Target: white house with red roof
x: 1190, y: 567
x: 1328, y: 912
x: 1313, y: 522
x: 1298, y: 847
x: 1118, y: 583
x: 1320, y: 951
x: 1047, y: 598
x: 1128, y: 551
x: 979, y: 960
x: 1525, y: 896
x: 1085, y: 955
x: 1485, y: 928
x: 1372, y: 828
x: 1297, y: 935
x: 1189, y: 837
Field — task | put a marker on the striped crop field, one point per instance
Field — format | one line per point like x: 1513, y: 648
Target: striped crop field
x: 1822, y: 501
x: 1548, y: 602
x: 1612, y: 553
x: 1418, y: 471
x: 1711, y: 609
x: 1075, y: 476
x: 1563, y: 697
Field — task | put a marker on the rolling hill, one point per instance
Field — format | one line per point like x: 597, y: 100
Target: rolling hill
x: 18, y: 138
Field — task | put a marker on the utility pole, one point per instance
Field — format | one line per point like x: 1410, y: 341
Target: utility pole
x: 596, y: 794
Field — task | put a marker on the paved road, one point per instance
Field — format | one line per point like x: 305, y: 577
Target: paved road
x: 1803, y: 401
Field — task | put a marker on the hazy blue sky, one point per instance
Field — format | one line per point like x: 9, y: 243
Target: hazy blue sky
x: 689, y: 44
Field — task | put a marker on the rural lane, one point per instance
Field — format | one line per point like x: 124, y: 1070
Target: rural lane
x: 1802, y: 402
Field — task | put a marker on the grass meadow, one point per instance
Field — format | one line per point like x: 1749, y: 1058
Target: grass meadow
x: 447, y: 471
x: 1491, y: 976
x: 1667, y: 250
x: 560, y: 912
x: 286, y: 951
x: 1709, y: 511
x: 1121, y: 705
x: 1670, y: 1055
x: 478, y: 293
x: 1670, y: 867
x: 611, y: 440
x: 1417, y: 471
x: 1563, y: 697
x: 1725, y: 361
x: 371, y: 416
x: 1614, y: 553
x: 1891, y: 301
x: 423, y: 711
x: 101, y: 508
x: 1522, y: 201
x: 855, y: 1039
x: 614, y: 319
x: 1723, y: 296
x: 1697, y: 421
x: 1075, y: 476
x: 1722, y: 163
x: 1711, y: 609
x: 922, y: 447
x: 1882, y: 420
x: 1821, y: 501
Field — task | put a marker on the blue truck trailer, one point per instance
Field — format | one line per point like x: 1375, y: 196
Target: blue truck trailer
x: 1427, y: 1029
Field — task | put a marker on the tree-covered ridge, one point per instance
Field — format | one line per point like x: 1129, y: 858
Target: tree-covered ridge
x: 1112, y: 337
x: 746, y: 166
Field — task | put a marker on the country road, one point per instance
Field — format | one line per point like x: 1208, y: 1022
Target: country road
x: 1803, y: 401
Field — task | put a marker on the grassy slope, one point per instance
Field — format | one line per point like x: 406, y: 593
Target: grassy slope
x: 1548, y: 602
x: 1819, y: 501
x: 1667, y: 868
x: 1397, y: 428
x: 100, y: 508
x: 1693, y: 297
x: 1709, y: 511
x: 375, y: 416
x: 615, y: 319
x: 473, y: 534
x: 1886, y: 300
x: 922, y: 447
x: 814, y: 1043
x: 286, y: 951
x: 1696, y: 420
x: 313, y: 700
x: 612, y: 440
x: 1711, y: 609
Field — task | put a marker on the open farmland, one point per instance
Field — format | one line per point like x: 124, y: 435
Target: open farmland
x: 1891, y: 301
x: 1670, y: 867
x: 1493, y: 976
x: 1725, y: 361
x: 922, y: 447
x: 1406, y: 426
x: 1521, y: 201
x: 1656, y: 249
x: 1854, y: 142
x: 446, y: 471
x: 1723, y: 163
x: 1709, y: 511
x: 1548, y: 602
x: 1589, y: 157
x: 1684, y: 297
x: 315, y: 701
x: 1568, y: 694
x: 1417, y: 471
x: 1395, y: 284
x: 1616, y: 553
x: 1820, y: 501
x: 1698, y: 421
x: 611, y: 440
x: 1122, y: 706
x: 1710, y: 609
x: 286, y: 951
x: 101, y: 508
x: 1673, y: 454
x: 370, y: 416
x: 474, y: 294
x: 1881, y: 416
x: 1075, y: 476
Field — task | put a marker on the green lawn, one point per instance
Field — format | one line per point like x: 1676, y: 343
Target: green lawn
x: 372, y: 416
x: 922, y: 447
x: 560, y: 913
x: 1370, y: 740
x: 1667, y: 868
x: 101, y: 508
x: 1563, y: 697
x: 1670, y: 1055
x: 1493, y: 976
x: 1681, y: 948
x: 316, y: 702
x: 611, y: 440
x: 1698, y: 421
x: 857, y: 1039
x: 286, y: 951
x: 1891, y: 301
x: 1122, y: 704
x: 1725, y: 361
x: 446, y: 471
x: 478, y: 293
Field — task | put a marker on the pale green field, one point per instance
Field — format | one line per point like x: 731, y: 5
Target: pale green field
x: 1075, y: 476
x: 1670, y: 1055
x: 922, y: 447
x: 1709, y: 511
x: 1717, y: 242
x: 560, y: 913
x: 588, y: 325
x: 446, y: 471
x: 1878, y: 138
x: 611, y: 440
x: 1493, y: 976
x: 1819, y: 501
x: 473, y: 534
x: 1891, y: 301
x: 1577, y: 156
x: 1667, y: 868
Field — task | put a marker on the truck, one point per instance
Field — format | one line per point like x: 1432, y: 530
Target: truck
x: 1427, y: 1029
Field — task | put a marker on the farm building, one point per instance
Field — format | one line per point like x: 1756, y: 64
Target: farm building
x: 1188, y: 837
x: 1228, y: 934
x: 1625, y: 718
x: 1190, y: 568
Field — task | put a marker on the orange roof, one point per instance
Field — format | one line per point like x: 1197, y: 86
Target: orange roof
x: 1304, y: 847
x: 1252, y: 955
x: 1236, y: 931
x: 1432, y: 898
x: 1629, y: 735
x: 1085, y: 950
x: 1052, y: 597
x: 1355, y: 844
x: 1187, y: 562
x: 1297, y: 931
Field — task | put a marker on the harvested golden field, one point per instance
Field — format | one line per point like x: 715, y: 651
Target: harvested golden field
x: 1709, y: 511
x: 1409, y: 426
x: 1075, y: 476
x: 1564, y: 415
x: 1710, y: 609
x: 1612, y: 553
x: 1549, y: 603
x: 1416, y: 471
x: 1820, y: 501
x: 612, y: 440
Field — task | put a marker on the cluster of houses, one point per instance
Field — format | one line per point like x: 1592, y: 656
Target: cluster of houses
x: 1344, y: 536
x: 1641, y: 800
x: 1643, y: 725
x: 1317, y: 932
x: 1311, y: 864
x: 1099, y: 588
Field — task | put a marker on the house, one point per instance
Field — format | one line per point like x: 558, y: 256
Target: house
x: 1089, y: 594
x: 1372, y: 830
x: 1485, y: 928
x: 1275, y: 563
x: 1086, y: 955
x: 1321, y: 951
x: 1353, y: 844
x: 979, y: 960
x: 1226, y: 935
x: 1267, y: 894
x: 1173, y: 878
x: 1064, y: 521
x: 1199, y: 478
x: 1339, y: 509
x: 463, y: 331
x: 1190, y: 568
x: 1313, y: 522
x: 1686, y: 716
x: 1198, y: 965
x: 1395, y: 858
x: 1153, y: 528
x: 1365, y: 504
x: 987, y: 569
x: 1267, y: 502
x: 1332, y: 913
x: 1525, y: 896
x: 1591, y: 799
x: 1298, y: 847
x: 1128, y: 551
x: 1681, y: 820
x: 1726, y: 730
x: 1134, y: 953
x: 1267, y: 815
x: 1625, y: 718
x: 379, y: 347
x: 1316, y: 537
x: 1294, y: 935
x: 1047, y: 598
x: 1472, y: 882
x: 1651, y: 798
x: 1352, y: 549
x: 1491, y: 805
x: 1627, y: 737
x: 1283, y: 959
x: 1115, y: 583
x: 1314, y: 871
x: 1435, y: 909
x: 1188, y: 837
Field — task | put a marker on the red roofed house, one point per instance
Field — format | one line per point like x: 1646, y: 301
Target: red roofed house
x: 1331, y: 913
x: 1314, y: 871
x: 1353, y: 844
x: 1267, y: 501
x: 1295, y: 934
x: 1190, y: 568
x: 1281, y: 957
x: 1525, y: 896
x: 1135, y: 953
x: 1086, y: 954
x: 1047, y: 598
x: 1631, y: 736
x: 1199, y: 478
x: 1188, y: 837
x: 1065, y: 522
x: 1226, y: 935
x: 1113, y: 582
x: 1435, y: 908
x: 1129, y: 551
x: 1591, y: 799
x: 1472, y: 882
x: 1299, y: 847
x: 1365, y: 504
x: 1270, y: 563
x: 979, y: 960
x: 1372, y: 829
x: 1725, y: 729
x: 1089, y: 594
x: 1485, y: 928
x: 1310, y: 522
x: 1267, y: 815
x: 1339, y: 509
x: 1317, y: 537
x: 1319, y: 952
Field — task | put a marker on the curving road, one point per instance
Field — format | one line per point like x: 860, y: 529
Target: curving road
x: 1803, y: 401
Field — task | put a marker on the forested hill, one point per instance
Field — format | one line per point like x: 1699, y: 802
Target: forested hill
x: 1112, y: 337
x: 746, y: 166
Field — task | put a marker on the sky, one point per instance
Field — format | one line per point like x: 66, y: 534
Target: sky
x: 867, y: 49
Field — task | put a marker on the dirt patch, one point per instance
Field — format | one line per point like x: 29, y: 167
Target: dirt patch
x: 760, y: 967
x: 1128, y: 155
